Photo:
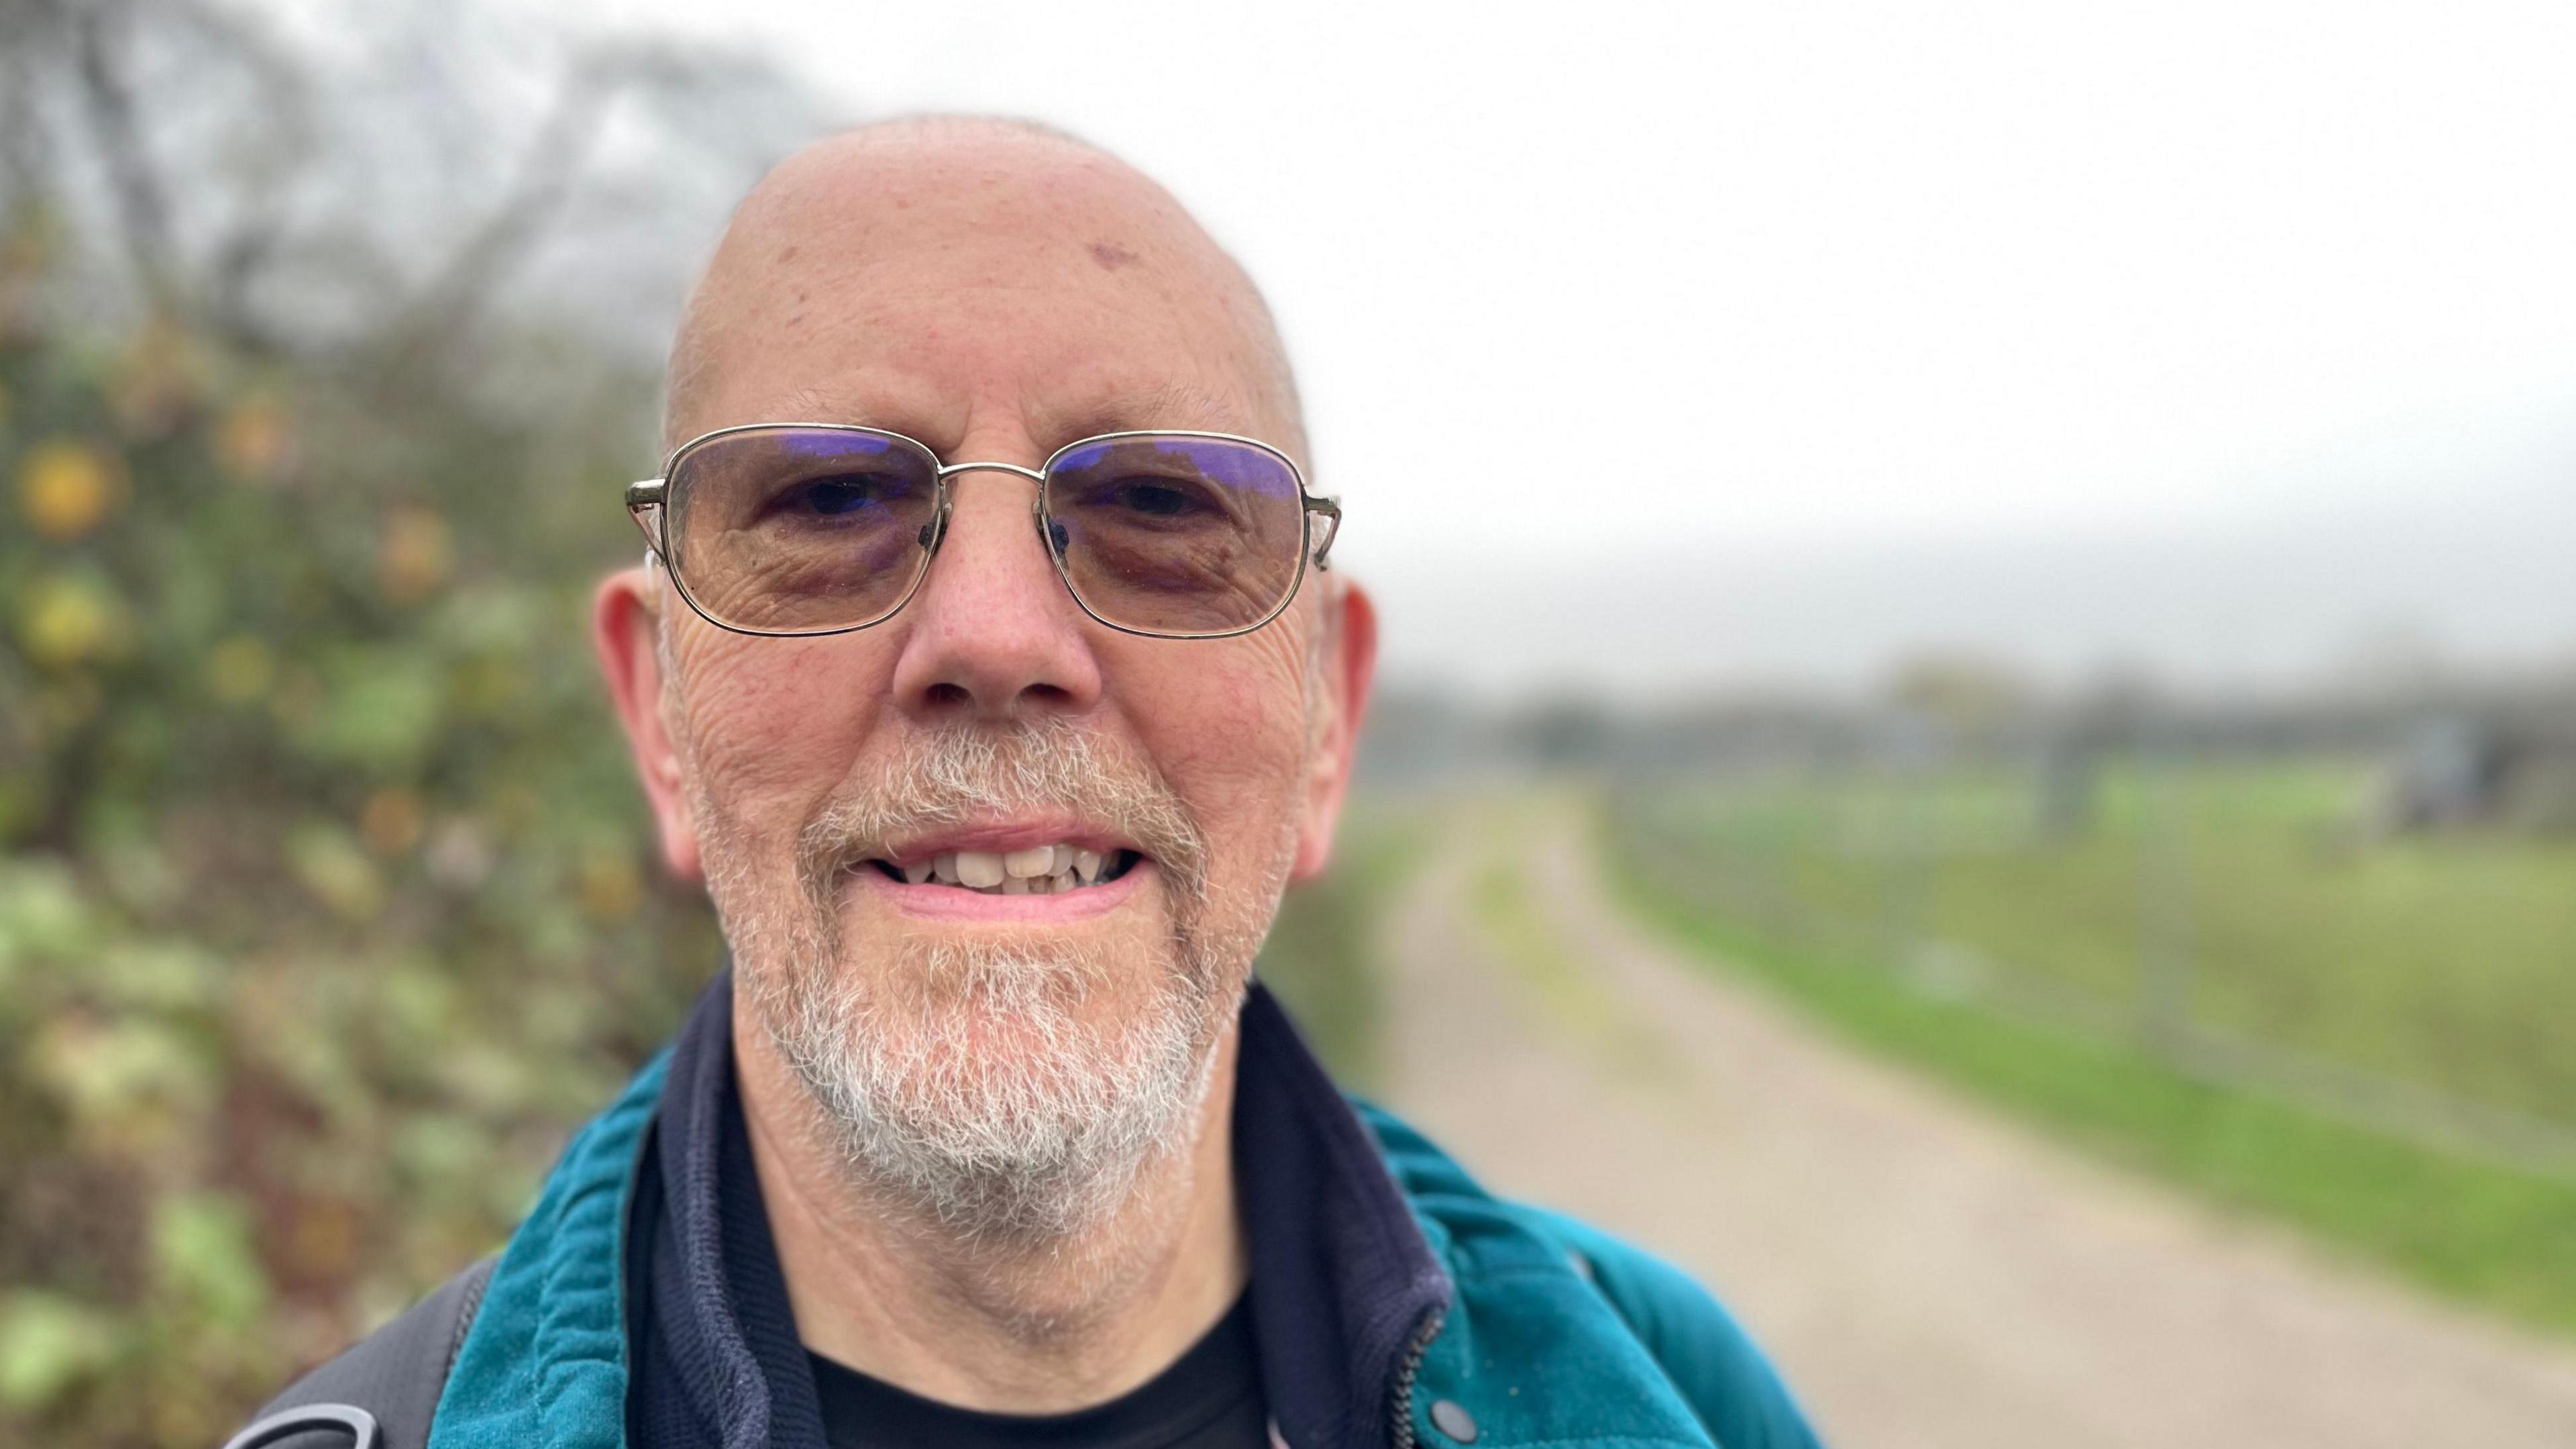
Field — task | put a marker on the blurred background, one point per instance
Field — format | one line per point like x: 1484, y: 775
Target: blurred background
x: 1979, y: 705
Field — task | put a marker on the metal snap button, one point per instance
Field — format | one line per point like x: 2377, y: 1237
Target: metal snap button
x: 1453, y: 1420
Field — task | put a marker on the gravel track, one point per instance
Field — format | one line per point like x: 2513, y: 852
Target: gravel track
x: 1924, y: 1273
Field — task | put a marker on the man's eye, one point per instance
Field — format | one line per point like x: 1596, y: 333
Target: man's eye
x: 1154, y: 497
x: 842, y: 496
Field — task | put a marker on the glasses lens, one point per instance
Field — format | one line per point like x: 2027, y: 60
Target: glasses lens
x: 1175, y: 534
x: 798, y: 530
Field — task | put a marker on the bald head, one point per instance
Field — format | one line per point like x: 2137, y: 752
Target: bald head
x: 878, y: 258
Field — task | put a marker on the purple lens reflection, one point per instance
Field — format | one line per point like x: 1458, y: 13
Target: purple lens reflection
x: 818, y: 444
x: 1177, y: 534
x: 795, y: 530
x: 1231, y: 464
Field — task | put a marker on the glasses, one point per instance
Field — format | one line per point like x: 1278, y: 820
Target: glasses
x: 822, y: 528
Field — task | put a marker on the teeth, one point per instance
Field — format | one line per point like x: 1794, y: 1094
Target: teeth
x: 1040, y: 870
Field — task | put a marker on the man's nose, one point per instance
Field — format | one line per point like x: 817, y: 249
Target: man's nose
x: 994, y: 633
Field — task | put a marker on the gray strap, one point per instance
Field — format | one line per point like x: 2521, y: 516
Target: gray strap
x: 382, y: 1392
x: 300, y: 1426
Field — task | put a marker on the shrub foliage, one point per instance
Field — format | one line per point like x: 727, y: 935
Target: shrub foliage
x: 325, y: 900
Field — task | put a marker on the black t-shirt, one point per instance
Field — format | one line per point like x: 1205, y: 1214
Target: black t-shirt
x: 1210, y: 1398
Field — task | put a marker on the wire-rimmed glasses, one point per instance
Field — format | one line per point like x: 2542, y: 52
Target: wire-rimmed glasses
x: 822, y: 528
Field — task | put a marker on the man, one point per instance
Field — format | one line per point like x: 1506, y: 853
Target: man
x: 987, y: 668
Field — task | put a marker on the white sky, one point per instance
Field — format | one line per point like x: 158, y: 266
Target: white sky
x: 1826, y: 281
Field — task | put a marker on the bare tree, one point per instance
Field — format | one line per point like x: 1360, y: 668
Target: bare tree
x: 390, y: 199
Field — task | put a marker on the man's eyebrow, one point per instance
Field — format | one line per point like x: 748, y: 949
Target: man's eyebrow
x: 825, y: 402
x: 1172, y: 405
x: 815, y: 404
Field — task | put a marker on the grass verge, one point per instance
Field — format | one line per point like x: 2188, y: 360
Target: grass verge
x: 2497, y: 1237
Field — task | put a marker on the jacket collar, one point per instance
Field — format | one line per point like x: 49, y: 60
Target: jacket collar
x: 1346, y: 1291
x: 1345, y: 1288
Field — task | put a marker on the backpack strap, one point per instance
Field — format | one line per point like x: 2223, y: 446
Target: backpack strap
x: 383, y: 1391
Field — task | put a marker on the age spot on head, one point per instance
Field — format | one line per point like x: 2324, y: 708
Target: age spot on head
x: 1110, y: 255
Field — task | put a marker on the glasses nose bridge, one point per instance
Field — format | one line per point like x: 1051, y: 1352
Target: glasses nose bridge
x: 1037, y: 503
x: 951, y: 470
x: 947, y: 490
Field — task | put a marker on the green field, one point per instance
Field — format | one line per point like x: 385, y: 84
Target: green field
x: 2246, y: 900
x: 2060, y: 972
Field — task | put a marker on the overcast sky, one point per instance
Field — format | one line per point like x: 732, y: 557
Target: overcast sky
x: 2220, y: 337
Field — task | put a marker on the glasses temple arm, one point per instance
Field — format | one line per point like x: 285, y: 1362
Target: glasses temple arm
x: 644, y: 505
x: 1331, y: 508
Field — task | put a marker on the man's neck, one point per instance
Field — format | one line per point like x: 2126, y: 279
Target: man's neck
x: 1009, y: 1329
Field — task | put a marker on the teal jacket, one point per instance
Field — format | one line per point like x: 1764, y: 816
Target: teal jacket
x: 1524, y: 1327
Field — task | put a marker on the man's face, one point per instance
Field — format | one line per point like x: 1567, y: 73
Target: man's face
x: 993, y: 312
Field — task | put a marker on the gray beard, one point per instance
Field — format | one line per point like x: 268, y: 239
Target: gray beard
x: 1024, y: 1147
x: 1032, y: 1146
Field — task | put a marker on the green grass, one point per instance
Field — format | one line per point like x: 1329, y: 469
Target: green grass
x: 1570, y: 997
x: 1321, y: 957
x: 1564, y: 992
x: 2448, y: 962
x: 2496, y: 1236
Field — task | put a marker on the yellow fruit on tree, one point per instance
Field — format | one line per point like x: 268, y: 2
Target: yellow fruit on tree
x: 67, y: 488
x: 70, y: 621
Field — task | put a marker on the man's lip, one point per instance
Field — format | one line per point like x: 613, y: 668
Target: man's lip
x: 951, y: 903
x: 1000, y: 838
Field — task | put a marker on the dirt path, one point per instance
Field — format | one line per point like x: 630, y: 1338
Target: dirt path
x: 1924, y: 1274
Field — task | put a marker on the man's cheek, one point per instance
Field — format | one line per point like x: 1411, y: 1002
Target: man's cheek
x: 1244, y: 791
x: 768, y: 744
x: 1238, y: 728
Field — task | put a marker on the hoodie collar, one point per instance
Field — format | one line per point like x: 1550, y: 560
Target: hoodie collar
x: 1344, y: 1288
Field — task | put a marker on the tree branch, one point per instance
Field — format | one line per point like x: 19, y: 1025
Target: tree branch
x: 142, y: 205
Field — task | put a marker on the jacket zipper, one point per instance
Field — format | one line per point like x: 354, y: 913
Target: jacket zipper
x: 1402, y: 1432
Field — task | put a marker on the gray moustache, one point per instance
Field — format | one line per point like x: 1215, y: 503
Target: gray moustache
x: 959, y: 775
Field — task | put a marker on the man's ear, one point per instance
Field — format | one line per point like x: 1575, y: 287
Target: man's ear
x: 1349, y: 667
x: 625, y: 616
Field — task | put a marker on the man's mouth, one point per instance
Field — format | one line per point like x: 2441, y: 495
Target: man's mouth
x: 1038, y: 870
